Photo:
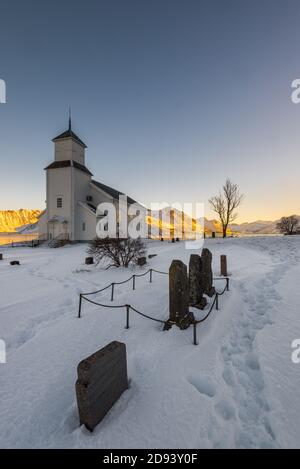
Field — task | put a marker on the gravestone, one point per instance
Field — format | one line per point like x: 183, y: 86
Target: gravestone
x: 1, y: 257
x: 89, y: 260
x: 179, y: 296
x: 102, y: 378
x: 15, y: 263
x: 195, y: 287
x: 223, y: 260
x: 141, y: 261
x: 206, y: 273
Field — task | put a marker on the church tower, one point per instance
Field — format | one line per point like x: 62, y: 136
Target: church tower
x: 67, y: 181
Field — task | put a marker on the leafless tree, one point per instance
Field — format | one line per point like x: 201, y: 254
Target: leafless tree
x: 119, y: 251
x: 225, y: 204
x: 288, y: 225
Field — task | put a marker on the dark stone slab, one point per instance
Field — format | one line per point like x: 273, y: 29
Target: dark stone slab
x: 89, y: 260
x: 223, y: 261
x: 1, y: 257
x: 102, y: 378
x: 206, y: 273
x: 178, y: 291
x: 141, y: 261
x: 195, y: 282
x: 15, y: 263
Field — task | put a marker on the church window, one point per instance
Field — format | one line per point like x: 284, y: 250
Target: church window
x: 59, y: 202
x: 83, y: 226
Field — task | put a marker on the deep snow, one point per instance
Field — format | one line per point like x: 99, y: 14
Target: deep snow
x: 237, y: 388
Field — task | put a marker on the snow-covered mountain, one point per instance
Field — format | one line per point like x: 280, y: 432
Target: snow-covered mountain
x: 257, y: 227
x: 10, y: 220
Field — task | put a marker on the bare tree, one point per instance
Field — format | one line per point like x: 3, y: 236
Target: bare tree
x: 288, y: 225
x: 225, y: 204
x: 119, y: 251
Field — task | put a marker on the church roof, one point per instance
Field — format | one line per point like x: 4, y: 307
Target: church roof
x: 112, y: 192
x: 67, y: 164
x: 69, y: 134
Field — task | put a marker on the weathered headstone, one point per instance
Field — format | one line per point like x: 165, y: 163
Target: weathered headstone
x: 206, y: 273
x: 102, y: 378
x: 89, y: 260
x: 195, y: 287
x: 223, y: 260
x: 15, y: 263
x: 141, y: 261
x: 179, y: 296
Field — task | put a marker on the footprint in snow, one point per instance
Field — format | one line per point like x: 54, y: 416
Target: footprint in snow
x: 203, y: 385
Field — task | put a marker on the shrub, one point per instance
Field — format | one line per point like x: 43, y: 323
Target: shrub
x: 119, y: 251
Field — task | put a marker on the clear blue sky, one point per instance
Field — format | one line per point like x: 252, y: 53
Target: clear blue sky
x: 171, y: 97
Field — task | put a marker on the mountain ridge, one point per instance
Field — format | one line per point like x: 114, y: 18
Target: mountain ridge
x: 10, y: 220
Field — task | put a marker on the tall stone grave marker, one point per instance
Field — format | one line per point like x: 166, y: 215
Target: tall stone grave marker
x: 195, y: 286
x: 206, y: 273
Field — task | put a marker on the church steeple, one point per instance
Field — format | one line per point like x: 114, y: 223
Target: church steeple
x: 70, y: 120
x: 70, y: 134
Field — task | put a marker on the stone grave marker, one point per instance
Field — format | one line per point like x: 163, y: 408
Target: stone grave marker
x: 141, y: 261
x: 223, y: 261
x: 206, y: 273
x: 102, y: 378
x: 89, y: 260
x: 179, y: 296
x: 195, y: 286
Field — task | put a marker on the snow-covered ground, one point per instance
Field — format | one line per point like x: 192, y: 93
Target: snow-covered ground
x: 237, y: 388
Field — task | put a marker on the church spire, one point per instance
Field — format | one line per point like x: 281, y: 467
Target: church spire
x: 70, y: 120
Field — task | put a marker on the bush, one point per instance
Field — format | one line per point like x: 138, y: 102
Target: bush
x: 121, y: 252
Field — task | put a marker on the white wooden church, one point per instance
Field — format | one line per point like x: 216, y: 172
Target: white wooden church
x: 72, y: 195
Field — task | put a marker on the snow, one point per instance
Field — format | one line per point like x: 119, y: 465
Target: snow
x: 237, y: 389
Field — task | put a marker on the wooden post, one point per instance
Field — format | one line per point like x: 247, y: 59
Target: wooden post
x: 223, y: 260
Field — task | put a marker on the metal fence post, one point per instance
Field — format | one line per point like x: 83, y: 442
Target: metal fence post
x: 195, y: 333
x: 217, y: 301
x: 127, y: 316
x: 112, y: 291
x: 227, y: 284
x: 79, y: 309
x: 151, y: 275
x: 133, y: 282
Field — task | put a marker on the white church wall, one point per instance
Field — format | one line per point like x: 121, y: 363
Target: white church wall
x: 85, y: 224
x: 98, y: 196
x: 60, y: 186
